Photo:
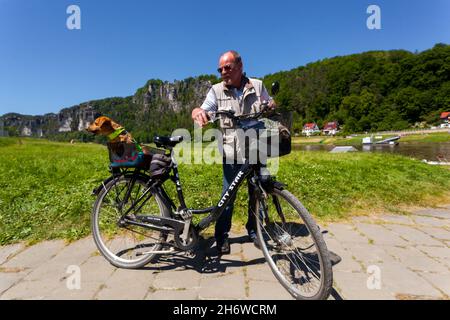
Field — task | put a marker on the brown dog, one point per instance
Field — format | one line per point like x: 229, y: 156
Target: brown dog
x: 115, y: 132
x: 107, y: 127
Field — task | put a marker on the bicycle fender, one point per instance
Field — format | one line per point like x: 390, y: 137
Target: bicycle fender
x: 271, y: 184
x: 96, y: 190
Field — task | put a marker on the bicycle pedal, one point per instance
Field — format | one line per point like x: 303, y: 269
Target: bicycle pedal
x: 334, y: 258
x: 190, y: 253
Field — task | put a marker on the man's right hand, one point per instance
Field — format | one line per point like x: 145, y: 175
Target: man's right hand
x: 199, y: 116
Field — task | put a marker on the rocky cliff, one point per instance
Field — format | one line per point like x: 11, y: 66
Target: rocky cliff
x: 144, y: 110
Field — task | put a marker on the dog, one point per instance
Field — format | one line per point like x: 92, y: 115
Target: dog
x: 107, y: 127
x: 115, y: 132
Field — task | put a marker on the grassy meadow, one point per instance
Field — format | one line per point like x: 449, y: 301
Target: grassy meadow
x: 45, y: 187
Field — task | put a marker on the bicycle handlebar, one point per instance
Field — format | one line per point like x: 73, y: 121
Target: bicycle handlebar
x: 230, y: 114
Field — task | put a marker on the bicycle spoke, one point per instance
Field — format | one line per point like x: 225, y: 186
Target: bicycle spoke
x: 290, y: 245
x: 121, y: 243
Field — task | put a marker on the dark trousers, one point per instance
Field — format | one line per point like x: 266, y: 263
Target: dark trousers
x: 223, y: 224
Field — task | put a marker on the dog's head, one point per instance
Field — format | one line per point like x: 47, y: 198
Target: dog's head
x: 102, y: 125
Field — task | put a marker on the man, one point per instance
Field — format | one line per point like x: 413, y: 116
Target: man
x: 243, y: 95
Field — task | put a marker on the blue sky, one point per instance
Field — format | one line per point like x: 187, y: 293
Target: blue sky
x: 45, y: 67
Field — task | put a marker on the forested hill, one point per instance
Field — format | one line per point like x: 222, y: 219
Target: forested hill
x: 371, y: 91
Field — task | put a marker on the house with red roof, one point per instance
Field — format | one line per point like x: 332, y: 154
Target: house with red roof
x: 331, y: 128
x: 445, y: 117
x: 310, y: 129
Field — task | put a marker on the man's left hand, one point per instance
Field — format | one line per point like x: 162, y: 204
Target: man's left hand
x: 272, y: 105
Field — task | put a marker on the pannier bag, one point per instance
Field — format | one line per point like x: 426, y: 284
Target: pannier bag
x: 160, y: 165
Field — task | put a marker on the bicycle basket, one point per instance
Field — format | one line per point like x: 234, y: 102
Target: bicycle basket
x: 273, y: 139
x: 127, y: 155
x: 277, y: 137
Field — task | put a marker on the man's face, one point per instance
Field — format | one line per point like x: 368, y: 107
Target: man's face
x: 230, y: 71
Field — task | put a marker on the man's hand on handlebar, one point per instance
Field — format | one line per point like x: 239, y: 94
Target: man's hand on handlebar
x: 199, y: 116
x: 272, y: 105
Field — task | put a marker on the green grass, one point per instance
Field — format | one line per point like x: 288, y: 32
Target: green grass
x: 428, y: 137
x: 45, y: 186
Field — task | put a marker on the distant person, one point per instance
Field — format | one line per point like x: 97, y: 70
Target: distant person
x: 243, y: 95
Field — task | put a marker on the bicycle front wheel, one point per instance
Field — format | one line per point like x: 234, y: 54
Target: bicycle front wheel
x: 125, y: 245
x: 294, y: 247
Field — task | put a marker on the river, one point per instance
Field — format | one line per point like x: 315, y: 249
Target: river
x: 418, y: 150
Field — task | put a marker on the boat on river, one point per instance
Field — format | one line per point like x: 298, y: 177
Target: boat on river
x: 389, y: 141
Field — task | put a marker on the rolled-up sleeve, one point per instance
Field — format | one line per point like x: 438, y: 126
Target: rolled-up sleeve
x: 210, y: 103
x: 265, y: 95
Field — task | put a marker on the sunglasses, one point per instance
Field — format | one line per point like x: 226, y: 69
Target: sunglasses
x: 226, y: 67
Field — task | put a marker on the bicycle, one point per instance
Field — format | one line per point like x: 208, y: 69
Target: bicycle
x: 134, y: 221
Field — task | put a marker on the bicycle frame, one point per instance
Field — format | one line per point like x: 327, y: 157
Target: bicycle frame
x: 157, y: 187
x: 225, y: 199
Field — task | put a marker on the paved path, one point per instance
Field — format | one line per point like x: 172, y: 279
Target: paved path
x: 384, y: 257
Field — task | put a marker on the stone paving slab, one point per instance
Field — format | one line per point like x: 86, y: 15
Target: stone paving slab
x: 416, y: 260
x: 127, y: 284
x: 437, y: 233
x: 34, y: 290
x: 7, y: 252
x: 380, y: 235
x: 438, y: 281
x: 413, y: 235
x: 431, y: 212
x: 370, y: 254
x: 398, y: 219
x: 34, y: 256
x: 400, y: 280
x: 263, y: 290
x: 432, y: 221
x: 177, y: 280
x: 74, y: 254
x: 348, y: 263
x: 260, y: 273
x: 346, y: 233
x: 87, y: 291
x: 353, y: 286
x: 408, y: 255
x: 230, y: 286
x: 182, y: 294
x: 7, y: 280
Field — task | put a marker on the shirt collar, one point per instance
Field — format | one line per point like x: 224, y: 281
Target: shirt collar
x: 245, y: 84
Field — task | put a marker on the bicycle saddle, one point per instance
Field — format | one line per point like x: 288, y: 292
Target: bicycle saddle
x: 162, y: 141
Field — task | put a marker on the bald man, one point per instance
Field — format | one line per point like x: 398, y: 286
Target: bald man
x: 243, y: 95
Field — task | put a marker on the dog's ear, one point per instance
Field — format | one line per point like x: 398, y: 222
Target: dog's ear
x: 104, y: 122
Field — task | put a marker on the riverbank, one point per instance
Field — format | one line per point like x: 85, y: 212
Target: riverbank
x: 45, y: 186
x: 357, y: 140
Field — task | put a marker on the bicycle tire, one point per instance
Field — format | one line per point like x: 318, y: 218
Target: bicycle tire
x: 282, y: 236
x: 114, y: 244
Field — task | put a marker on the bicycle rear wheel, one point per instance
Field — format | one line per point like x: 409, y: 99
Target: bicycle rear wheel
x: 122, y: 244
x: 294, y: 247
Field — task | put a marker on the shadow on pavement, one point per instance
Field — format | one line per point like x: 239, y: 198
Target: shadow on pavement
x: 204, y: 259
